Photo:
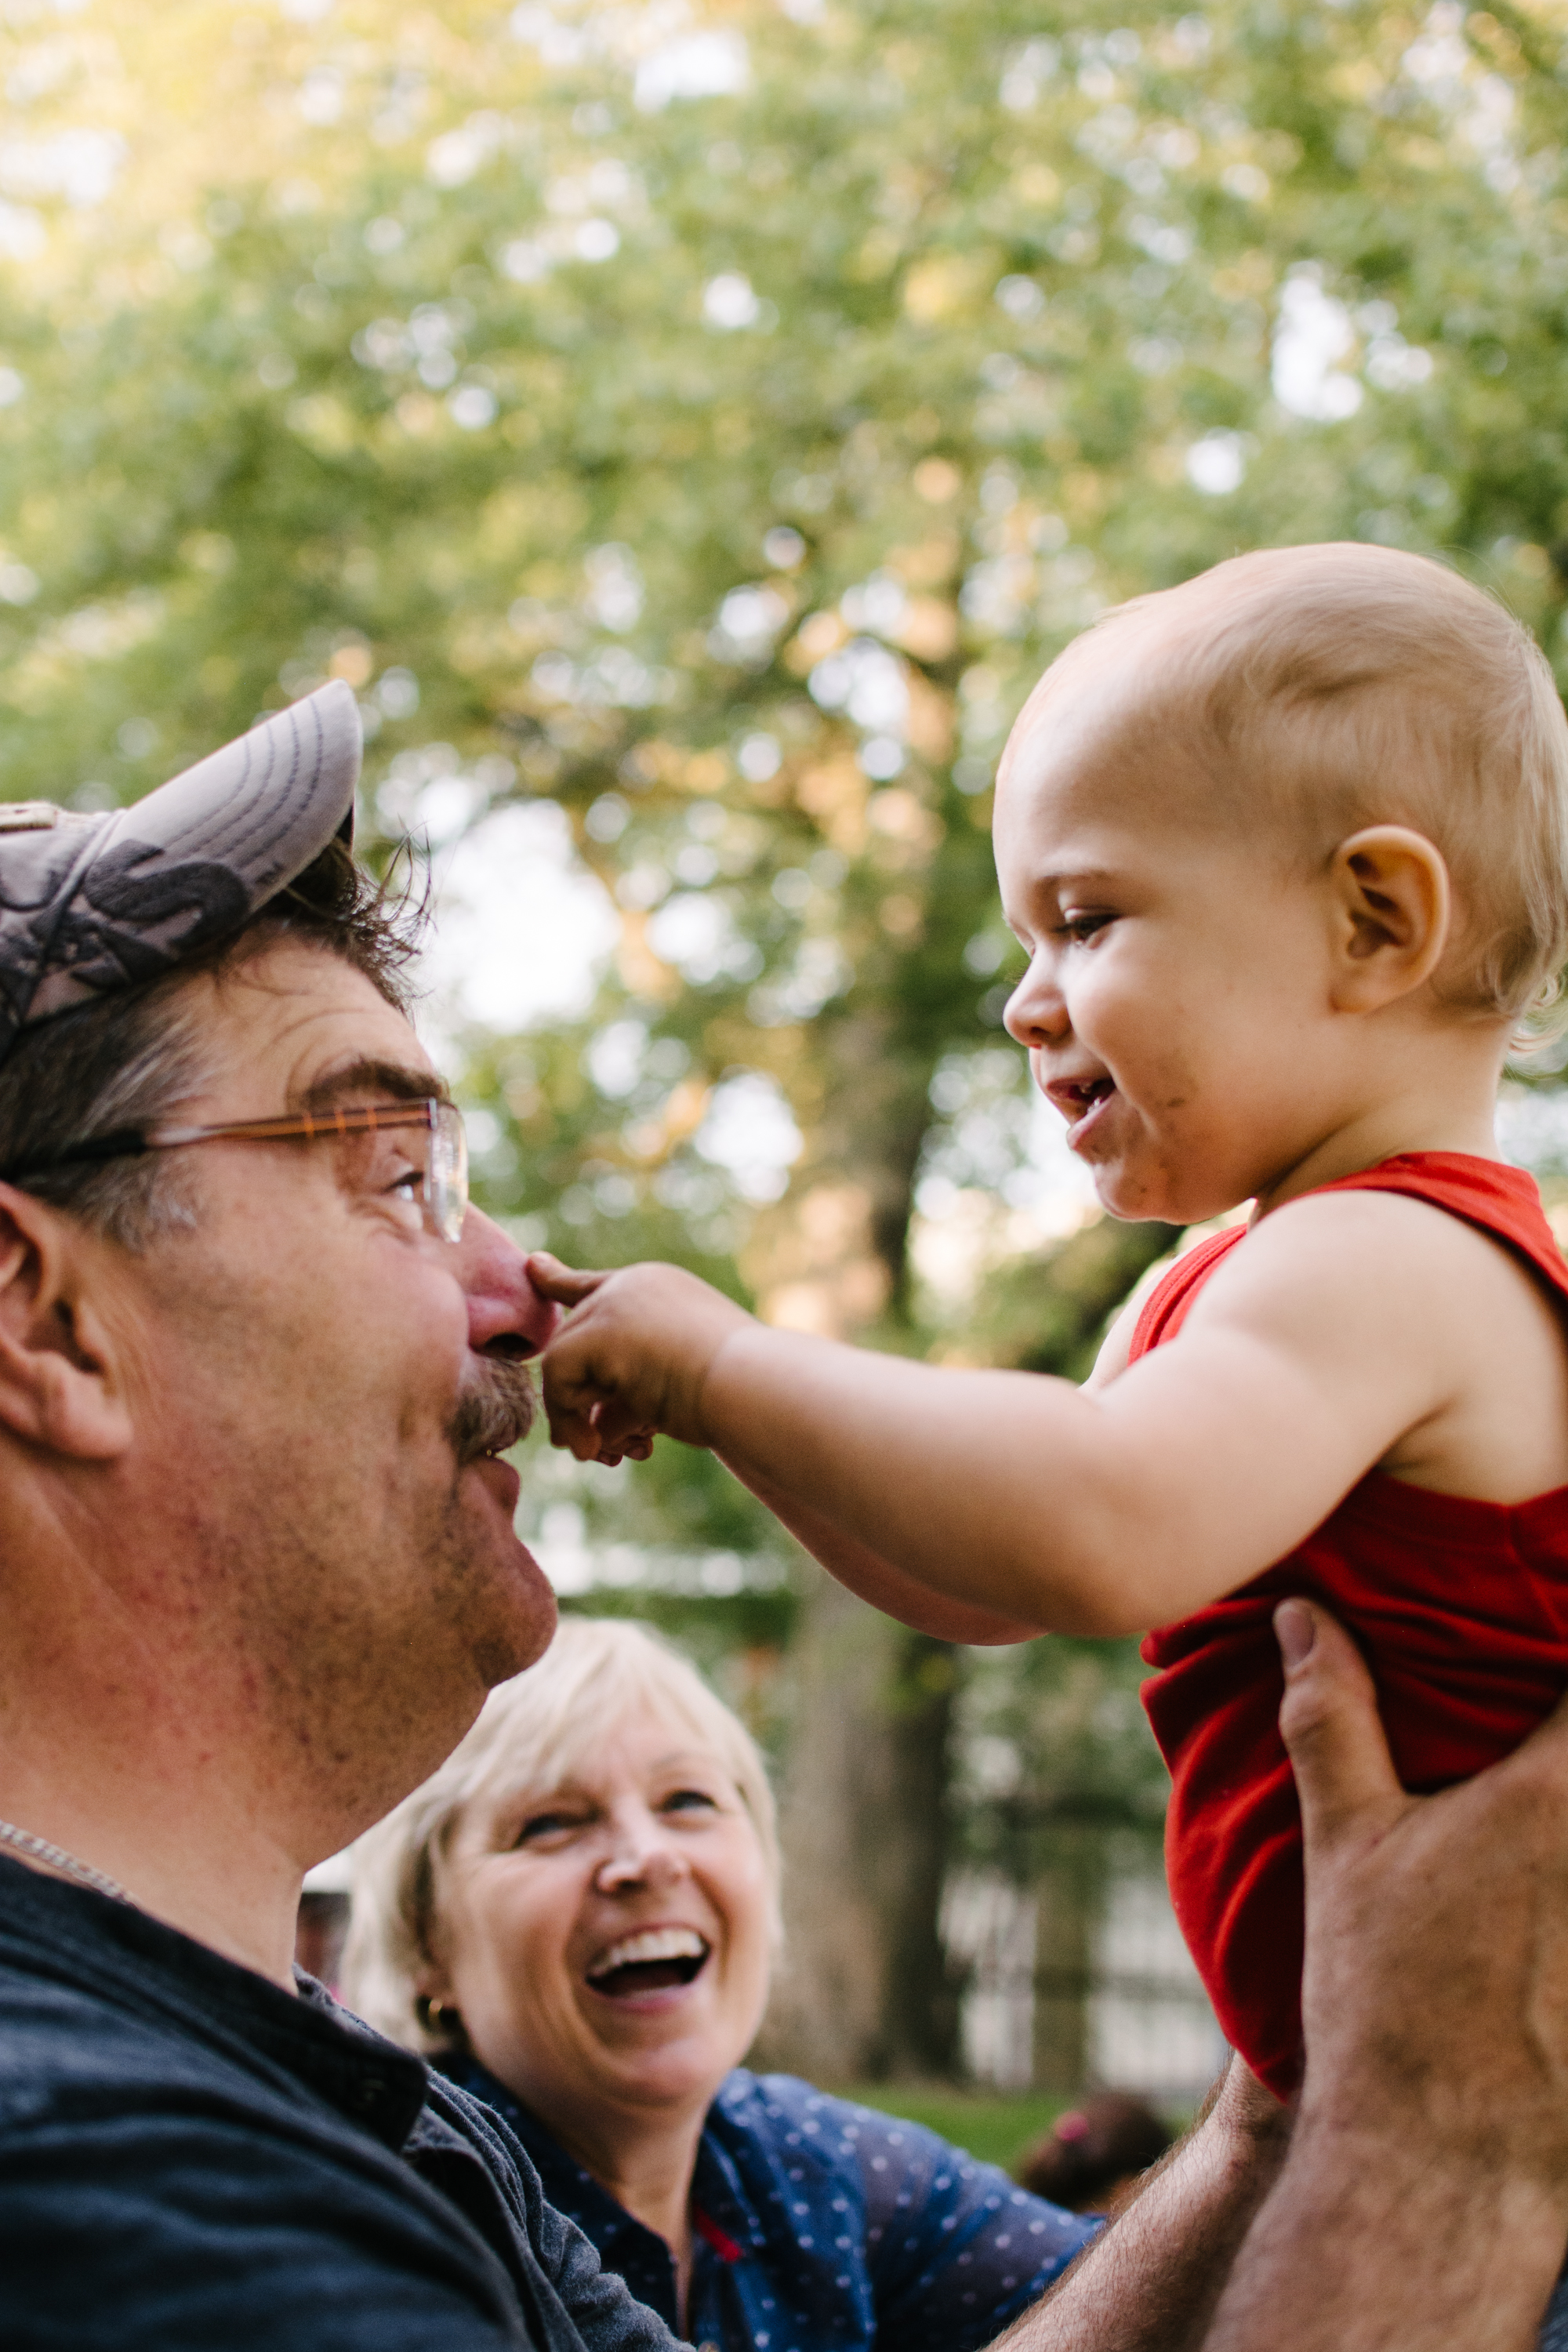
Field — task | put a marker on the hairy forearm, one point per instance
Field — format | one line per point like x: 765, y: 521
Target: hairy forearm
x: 1371, y: 2242
x: 864, y: 1571
x: 1153, y: 2281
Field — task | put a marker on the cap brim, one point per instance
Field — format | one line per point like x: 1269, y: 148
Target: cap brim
x: 195, y: 859
x: 267, y: 803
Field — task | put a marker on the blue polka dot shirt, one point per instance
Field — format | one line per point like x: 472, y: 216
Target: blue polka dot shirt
x: 820, y: 2226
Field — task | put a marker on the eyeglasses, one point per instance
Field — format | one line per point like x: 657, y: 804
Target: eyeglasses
x: 444, y: 1188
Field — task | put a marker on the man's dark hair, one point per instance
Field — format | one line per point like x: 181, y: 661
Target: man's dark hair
x: 124, y: 1059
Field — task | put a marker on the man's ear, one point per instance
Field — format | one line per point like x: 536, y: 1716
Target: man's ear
x: 59, y: 1382
x: 1393, y: 910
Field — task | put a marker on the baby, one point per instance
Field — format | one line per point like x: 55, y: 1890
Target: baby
x: 1287, y: 849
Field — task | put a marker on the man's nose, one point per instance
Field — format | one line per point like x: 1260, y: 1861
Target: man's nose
x: 502, y: 1302
x: 1036, y: 1013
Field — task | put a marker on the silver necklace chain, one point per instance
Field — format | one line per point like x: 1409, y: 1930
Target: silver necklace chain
x: 41, y: 1850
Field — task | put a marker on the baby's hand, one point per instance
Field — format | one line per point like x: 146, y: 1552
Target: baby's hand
x: 630, y: 1361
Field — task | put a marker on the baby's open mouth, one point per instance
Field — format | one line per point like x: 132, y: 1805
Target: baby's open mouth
x: 650, y: 1961
x: 1078, y: 1099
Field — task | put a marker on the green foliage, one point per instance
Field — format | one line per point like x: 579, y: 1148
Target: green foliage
x: 723, y: 471
x: 1052, y: 1734
x: 997, y: 2130
x: 1047, y: 1313
x: 500, y: 382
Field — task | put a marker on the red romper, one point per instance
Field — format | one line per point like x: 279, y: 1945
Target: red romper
x: 1461, y: 1607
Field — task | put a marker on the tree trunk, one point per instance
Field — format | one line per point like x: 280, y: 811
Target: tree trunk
x: 1069, y: 1891
x: 864, y: 1993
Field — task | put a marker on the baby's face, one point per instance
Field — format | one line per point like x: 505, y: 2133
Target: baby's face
x: 1176, y: 1008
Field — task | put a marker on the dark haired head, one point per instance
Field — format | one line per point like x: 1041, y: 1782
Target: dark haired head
x: 1093, y: 2150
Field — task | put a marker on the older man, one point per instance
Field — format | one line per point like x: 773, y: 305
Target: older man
x: 257, y: 1361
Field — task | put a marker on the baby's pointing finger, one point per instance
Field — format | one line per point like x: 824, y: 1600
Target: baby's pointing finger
x: 567, y: 1285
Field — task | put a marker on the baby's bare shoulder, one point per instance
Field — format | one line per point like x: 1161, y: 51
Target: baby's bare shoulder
x: 1383, y: 1291
x: 1353, y: 1259
x: 1307, y: 1263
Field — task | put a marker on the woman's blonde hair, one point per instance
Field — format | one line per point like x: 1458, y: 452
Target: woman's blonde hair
x: 532, y: 1733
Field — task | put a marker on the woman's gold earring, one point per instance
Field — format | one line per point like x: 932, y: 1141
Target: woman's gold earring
x: 439, y: 2016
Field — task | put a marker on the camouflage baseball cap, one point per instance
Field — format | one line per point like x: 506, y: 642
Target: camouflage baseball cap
x: 89, y: 904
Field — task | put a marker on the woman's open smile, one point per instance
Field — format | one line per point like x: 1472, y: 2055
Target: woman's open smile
x: 653, y: 1962
x: 612, y: 1932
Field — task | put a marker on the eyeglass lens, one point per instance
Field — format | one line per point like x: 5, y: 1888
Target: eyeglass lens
x: 446, y: 1175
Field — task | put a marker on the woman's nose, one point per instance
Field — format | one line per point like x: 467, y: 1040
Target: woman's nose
x: 641, y: 1855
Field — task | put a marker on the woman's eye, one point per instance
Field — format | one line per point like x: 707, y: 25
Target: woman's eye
x: 544, y: 1826
x: 685, y: 1800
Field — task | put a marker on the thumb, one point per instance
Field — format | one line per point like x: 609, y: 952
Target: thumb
x: 1330, y: 1725
x: 564, y: 1283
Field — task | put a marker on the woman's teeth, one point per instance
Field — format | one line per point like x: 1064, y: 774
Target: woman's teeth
x: 649, y: 1960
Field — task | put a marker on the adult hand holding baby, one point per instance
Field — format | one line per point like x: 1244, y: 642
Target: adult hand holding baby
x: 631, y: 1361
x: 1431, y: 2148
x: 1419, y: 2197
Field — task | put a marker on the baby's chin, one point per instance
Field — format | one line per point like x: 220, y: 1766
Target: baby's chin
x: 1151, y: 1196
x: 1125, y: 1193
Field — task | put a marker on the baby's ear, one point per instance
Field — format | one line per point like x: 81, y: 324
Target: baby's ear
x: 1393, y: 907
x: 61, y: 1385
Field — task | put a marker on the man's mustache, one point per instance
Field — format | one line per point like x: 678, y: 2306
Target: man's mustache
x: 495, y: 1410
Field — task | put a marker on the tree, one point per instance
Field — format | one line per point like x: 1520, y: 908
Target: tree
x: 705, y: 428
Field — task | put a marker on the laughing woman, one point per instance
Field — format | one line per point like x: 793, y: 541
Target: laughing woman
x: 574, y: 1918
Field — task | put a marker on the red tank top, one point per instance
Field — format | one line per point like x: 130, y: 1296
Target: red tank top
x: 1461, y: 1607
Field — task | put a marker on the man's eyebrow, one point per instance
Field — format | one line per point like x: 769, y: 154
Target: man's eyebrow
x: 402, y: 1081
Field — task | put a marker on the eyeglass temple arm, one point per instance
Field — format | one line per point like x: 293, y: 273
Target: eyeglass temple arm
x: 124, y: 1143
x: 363, y: 1118
x: 132, y: 1142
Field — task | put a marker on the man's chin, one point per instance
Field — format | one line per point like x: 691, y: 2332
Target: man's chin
x: 500, y: 1656
x: 523, y: 1624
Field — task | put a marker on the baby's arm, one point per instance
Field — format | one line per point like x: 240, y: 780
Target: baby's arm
x: 1338, y: 1328
x: 876, y: 1579
x: 853, y: 1563
x: 887, y: 1588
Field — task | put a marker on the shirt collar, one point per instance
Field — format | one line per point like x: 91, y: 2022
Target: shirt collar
x: 718, y: 2197
x: 144, y: 1968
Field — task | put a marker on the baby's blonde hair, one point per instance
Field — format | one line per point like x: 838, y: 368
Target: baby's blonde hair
x: 532, y: 1733
x: 1357, y: 686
